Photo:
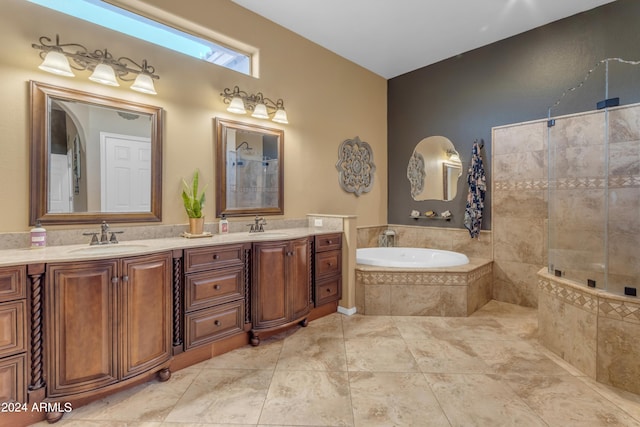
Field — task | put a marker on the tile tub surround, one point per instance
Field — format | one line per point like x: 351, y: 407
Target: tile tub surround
x: 593, y: 330
x: 448, y: 239
x: 448, y: 292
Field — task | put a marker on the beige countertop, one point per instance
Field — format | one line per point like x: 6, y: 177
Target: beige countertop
x: 140, y: 247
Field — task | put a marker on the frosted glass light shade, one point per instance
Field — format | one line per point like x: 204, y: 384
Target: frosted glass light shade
x: 260, y: 112
x: 280, y: 117
x: 236, y: 106
x: 144, y: 84
x: 56, y: 63
x: 105, y: 75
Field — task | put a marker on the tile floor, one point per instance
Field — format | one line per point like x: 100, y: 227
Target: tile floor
x: 484, y: 370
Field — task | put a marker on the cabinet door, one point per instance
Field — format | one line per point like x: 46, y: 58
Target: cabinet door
x: 12, y: 328
x: 80, y: 322
x: 298, y: 279
x: 268, y: 284
x: 145, y: 319
x: 12, y: 379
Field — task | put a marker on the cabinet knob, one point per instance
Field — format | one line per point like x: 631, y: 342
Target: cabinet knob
x: 114, y: 280
x: 216, y: 287
x: 329, y: 263
x: 328, y: 290
x: 216, y: 256
x: 125, y: 278
x: 217, y: 323
x: 330, y: 242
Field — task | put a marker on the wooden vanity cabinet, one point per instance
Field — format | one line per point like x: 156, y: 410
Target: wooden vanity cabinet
x: 280, y: 285
x: 13, y: 341
x: 327, y: 268
x: 215, y: 281
x: 106, y: 321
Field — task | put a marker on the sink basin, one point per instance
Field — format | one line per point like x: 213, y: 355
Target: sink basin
x: 266, y: 235
x: 111, y: 249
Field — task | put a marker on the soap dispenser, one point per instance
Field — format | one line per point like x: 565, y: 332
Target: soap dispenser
x: 223, y: 225
x: 38, y: 236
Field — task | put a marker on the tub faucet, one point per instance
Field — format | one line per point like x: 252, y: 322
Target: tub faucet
x: 387, y: 239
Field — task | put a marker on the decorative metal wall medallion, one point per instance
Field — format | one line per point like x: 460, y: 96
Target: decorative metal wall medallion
x: 416, y: 173
x: 355, y: 166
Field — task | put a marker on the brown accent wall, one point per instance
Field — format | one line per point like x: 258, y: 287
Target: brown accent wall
x: 511, y: 81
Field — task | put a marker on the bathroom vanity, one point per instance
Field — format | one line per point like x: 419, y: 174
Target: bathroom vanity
x: 87, y: 321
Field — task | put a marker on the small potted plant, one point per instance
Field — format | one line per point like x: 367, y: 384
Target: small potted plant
x: 193, y: 203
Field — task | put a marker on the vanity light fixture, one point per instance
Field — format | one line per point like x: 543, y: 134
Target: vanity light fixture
x: 106, y: 68
x: 453, y: 155
x: 261, y: 107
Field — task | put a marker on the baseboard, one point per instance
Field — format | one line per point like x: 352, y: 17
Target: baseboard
x: 347, y: 311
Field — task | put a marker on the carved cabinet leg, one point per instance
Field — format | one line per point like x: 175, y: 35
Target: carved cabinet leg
x: 164, y: 374
x: 255, y: 339
x: 53, y: 417
x: 304, y: 322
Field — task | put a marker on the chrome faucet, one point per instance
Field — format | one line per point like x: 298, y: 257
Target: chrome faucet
x: 258, y: 225
x: 105, y: 239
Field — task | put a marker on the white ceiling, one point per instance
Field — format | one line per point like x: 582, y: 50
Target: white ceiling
x: 393, y: 37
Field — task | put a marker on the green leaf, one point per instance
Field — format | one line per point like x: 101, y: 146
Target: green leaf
x: 193, y: 202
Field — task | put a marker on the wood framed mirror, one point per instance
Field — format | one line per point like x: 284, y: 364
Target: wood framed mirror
x: 93, y: 158
x: 249, y: 169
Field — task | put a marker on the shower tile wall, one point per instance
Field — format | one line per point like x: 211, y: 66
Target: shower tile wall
x: 624, y: 199
x: 519, y: 210
x: 520, y: 207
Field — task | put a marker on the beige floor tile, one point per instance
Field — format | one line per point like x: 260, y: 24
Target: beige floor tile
x: 326, y: 327
x: 310, y: 353
x: 362, y: 326
x: 506, y: 357
x: 447, y: 356
x: 485, y: 370
x: 479, y: 400
x: 309, y: 398
x: 394, y: 399
x: 417, y: 328
x: 151, y: 401
x: 628, y: 402
x: 565, y: 401
x: 379, y: 355
x: 264, y: 356
x: 224, y: 396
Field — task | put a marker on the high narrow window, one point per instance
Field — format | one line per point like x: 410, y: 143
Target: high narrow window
x: 138, y: 26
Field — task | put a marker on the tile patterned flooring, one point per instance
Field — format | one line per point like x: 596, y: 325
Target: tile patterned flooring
x: 484, y: 370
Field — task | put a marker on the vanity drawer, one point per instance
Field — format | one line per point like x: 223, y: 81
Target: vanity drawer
x: 328, y: 291
x: 199, y: 259
x: 208, y: 288
x: 328, y: 242
x: 328, y: 263
x: 12, y: 285
x: 12, y: 324
x: 13, y: 377
x: 212, y: 324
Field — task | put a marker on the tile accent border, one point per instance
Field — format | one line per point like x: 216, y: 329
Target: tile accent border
x: 461, y: 292
x: 614, y: 320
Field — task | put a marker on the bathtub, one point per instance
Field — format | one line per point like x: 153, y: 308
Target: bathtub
x: 410, y: 257
x: 420, y: 282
